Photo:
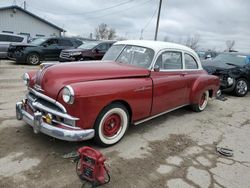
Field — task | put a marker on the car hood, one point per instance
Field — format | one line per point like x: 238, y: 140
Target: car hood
x: 76, y: 50
x: 54, y: 78
x: 215, y: 67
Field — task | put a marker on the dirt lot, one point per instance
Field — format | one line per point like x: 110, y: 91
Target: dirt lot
x: 174, y: 150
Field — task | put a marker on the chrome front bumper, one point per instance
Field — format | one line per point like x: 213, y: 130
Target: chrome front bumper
x: 38, y: 125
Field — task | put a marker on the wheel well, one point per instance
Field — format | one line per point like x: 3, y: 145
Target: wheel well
x: 127, y: 106
x: 210, y: 93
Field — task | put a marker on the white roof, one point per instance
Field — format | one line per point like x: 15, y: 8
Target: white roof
x: 157, y: 45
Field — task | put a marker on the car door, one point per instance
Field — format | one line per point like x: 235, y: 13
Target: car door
x: 50, y: 49
x: 64, y: 43
x: 169, y: 80
x: 100, y: 50
x: 193, y: 70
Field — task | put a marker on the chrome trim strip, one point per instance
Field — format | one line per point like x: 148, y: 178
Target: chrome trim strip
x: 48, y: 99
x: 46, y: 109
x: 152, y: 117
x: 53, y: 131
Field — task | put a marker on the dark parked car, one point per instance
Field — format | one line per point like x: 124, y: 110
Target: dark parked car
x: 233, y: 69
x: 6, y: 39
x: 94, y: 50
x: 207, y: 54
x: 41, y: 49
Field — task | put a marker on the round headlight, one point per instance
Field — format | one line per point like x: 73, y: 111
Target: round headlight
x: 230, y: 81
x: 26, y: 78
x: 68, y: 95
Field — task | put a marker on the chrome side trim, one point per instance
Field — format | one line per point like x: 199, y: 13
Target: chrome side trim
x: 46, y: 109
x: 152, y: 117
x: 48, y: 99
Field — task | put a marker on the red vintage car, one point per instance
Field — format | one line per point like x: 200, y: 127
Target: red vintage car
x: 135, y: 82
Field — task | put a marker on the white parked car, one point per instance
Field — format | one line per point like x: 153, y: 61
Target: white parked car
x: 6, y: 39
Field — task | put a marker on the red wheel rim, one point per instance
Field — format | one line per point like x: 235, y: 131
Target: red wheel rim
x: 203, y: 99
x: 111, y: 125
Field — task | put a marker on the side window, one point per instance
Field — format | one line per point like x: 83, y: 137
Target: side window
x: 169, y: 60
x: 4, y: 38
x: 52, y: 42
x: 65, y: 42
x: 190, y: 62
x: 16, y: 39
x: 102, y: 47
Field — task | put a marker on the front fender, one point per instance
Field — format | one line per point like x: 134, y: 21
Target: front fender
x: 92, y: 96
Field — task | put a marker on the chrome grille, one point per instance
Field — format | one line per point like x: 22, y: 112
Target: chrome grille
x: 45, y: 105
x: 65, y: 54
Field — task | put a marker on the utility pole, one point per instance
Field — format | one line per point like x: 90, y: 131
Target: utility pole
x: 24, y: 5
x: 158, y: 20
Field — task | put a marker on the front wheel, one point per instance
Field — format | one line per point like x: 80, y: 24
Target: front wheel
x: 203, y: 101
x: 241, y: 87
x: 33, y: 59
x: 111, y: 124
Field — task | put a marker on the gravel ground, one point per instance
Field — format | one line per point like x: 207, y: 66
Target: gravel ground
x: 174, y: 150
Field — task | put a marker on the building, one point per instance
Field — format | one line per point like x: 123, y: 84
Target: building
x: 16, y: 20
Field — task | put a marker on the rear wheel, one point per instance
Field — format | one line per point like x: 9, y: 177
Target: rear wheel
x: 111, y: 124
x: 33, y: 59
x: 203, y: 101
x: 241, y: 87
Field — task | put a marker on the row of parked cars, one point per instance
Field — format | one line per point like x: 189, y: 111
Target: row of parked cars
x: 16, y: 47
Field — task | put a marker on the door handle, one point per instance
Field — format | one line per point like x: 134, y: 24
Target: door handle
x: 183, y: 74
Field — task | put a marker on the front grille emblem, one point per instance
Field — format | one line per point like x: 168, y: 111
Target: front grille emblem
x: 38, y: 88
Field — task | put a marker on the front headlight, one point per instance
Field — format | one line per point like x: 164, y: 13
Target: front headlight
x: 26, y: 78
x: 75, y: 53
x: 230, y: 81
x: 68, y: 95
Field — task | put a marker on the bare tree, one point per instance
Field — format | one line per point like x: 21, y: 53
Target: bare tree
x: 230, y: 44
x: 111, y: 34
x: 104, y: 32
x: 193, y: 42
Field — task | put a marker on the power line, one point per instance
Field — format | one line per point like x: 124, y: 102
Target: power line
x: 146, y: 25
x: 93, y: 11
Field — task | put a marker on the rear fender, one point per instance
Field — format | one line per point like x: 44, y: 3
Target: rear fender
x: 204, y: 83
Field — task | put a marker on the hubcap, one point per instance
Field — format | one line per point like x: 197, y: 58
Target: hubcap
x: 241, y: 87
x: 112, y: 125
x: 203, y: 100
x: 34, y: 59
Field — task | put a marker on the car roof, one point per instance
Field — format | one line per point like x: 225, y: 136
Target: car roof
x: 239, y: 53
x: 11, y: 34
x: 157, y: 45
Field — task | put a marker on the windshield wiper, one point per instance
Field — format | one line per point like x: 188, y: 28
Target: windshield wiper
x: 233, y: 64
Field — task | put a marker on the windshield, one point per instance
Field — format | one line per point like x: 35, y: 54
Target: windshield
x: 235, y: 59
x: 88, y: 45
x: 134, y: 55
x: 38, y: 41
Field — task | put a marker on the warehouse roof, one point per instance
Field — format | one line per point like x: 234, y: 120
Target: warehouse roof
x: 31, y: 14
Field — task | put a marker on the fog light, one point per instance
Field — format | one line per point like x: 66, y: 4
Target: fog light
x: 230, y: 81
x: 48, y: 118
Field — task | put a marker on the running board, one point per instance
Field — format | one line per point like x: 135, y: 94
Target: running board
x: 157, y: 115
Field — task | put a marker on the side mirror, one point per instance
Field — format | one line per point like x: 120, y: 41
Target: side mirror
x: 45, y: 45
x: 97, y: 50
x: 156, y: 68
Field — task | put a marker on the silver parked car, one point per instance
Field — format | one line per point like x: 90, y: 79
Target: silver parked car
x: 6, y: 39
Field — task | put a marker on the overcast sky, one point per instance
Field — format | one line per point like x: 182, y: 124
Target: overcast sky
x: 214, y: 21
